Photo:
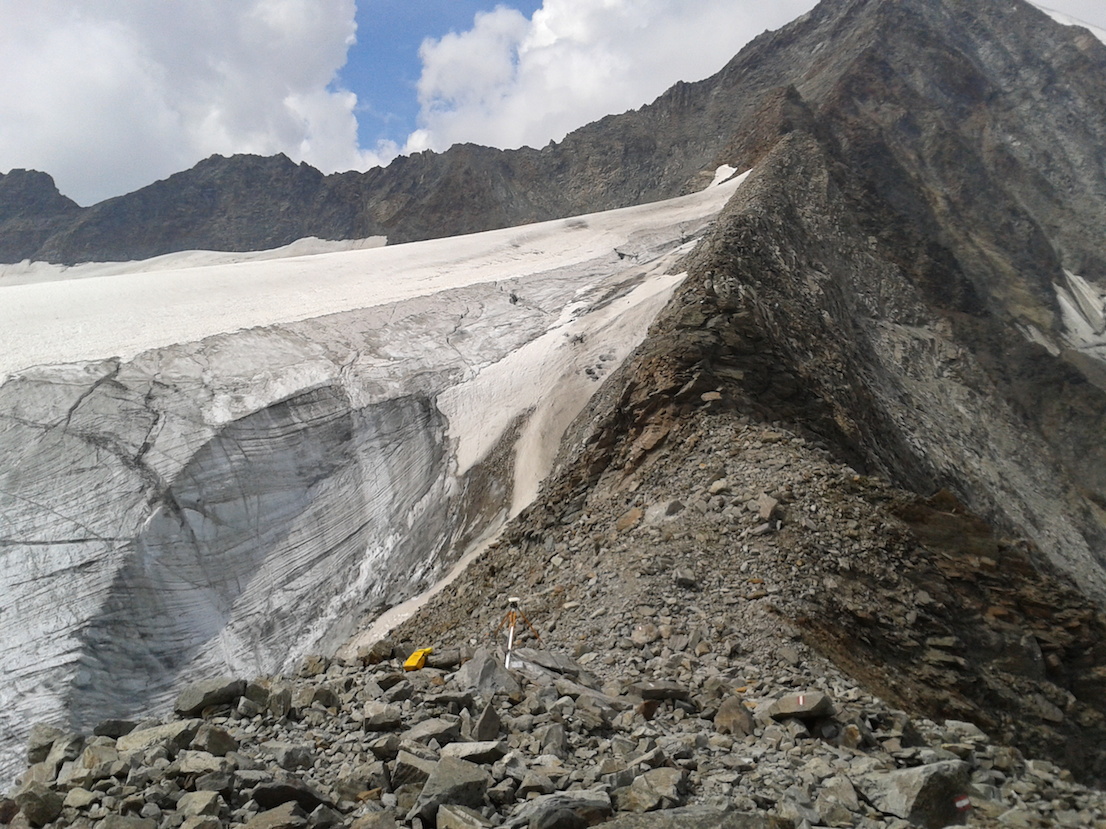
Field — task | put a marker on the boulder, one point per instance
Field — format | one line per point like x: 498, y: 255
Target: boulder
x: 924, y: 795
x: 734, y: 718
x: 441, y: 729
x: 487, y: 725
x: 699, y: 817
x: 594, y: 806
x: 661, y: 788
x: 199, y: 803
x: 809, y: 705
x: 285, y: 816
x: 479, y: 752
x: 172, y: 736
x: 41, y: 740
x: 659, y: 689
x: 451, y: 816
x: 452, y: 781
x: 39, y: 803
x: 485, y: 675
x: 206, y: 693
x: 276, y: 793
x: 380, y: 716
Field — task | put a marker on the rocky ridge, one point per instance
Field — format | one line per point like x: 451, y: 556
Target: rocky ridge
x: 672, y: 685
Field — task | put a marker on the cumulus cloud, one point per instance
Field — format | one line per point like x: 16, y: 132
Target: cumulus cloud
x: 510, y: 81
x: 109, y: 95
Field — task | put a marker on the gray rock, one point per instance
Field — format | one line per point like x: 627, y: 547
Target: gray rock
x: 734, y: 718
x: 200, y: 803
x: 477, y: 752
x: 451, y: 816
x: 380, y: 716
x: 172, y: 736
x: 452, y: 781
x: 214, y: 740
x: 441, y: 729
x: 809, y: 705
x: 200, y: 695
x: 487, y: 725
x: 924, y: 795
x: 290, y: 756
x: 285, y: 816
x: 593, y: 806
x: 408, y: 769
x: 271, y: 795
x: 661, y: 788
x: 659, y: 689
x: 41, y: 740
x: 699, y: 817
x: 39, y: 803
x: 485, y: 675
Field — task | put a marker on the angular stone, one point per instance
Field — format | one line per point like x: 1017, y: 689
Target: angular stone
x: 592, y: 805
x: 809, y: 705
x: 478, y: 752
x: 436, y: 728
x: 924, y: 795
x: 114, y: 728
x: 452, y: 781
x: 451, y: 816
x: 734, y: 718
x: 699, y: 817
x: 290, y: 756
x: 660, y: 689
x: 271, y: 795
x: 485, y: 675
x: 200, y: 762
x: 410, y: 769
x: 201, y: 822
x: 41, y: 740
x: 94, y: 764
x: 117, y: 821
x: 199, y: 803
x: 285, y: 816
x: 487, y: 725
x: 661, y: 788
x: 206, y: 693
x: 172, y: 736
x: 77, y: 799
x: 39, y: 803
x: 214, y: 740
x: 380, y: 716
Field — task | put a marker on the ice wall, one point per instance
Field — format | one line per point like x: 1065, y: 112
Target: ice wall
x: 226, y: 494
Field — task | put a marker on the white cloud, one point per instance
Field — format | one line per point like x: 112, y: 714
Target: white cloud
x: 109, y: 95
x: 510, y: 81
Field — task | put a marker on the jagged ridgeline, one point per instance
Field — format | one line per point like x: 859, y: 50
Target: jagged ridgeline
x: 905, y: 297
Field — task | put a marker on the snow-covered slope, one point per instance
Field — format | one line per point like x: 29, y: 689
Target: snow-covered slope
x: 214, y: 466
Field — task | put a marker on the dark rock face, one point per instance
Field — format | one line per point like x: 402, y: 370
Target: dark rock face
x: 1006, y: 115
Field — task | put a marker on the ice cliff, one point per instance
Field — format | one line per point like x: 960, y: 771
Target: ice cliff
x: 216, y: 467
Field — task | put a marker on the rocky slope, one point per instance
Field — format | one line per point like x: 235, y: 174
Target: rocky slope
x: 672, y: 685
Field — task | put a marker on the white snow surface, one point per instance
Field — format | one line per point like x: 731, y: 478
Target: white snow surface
x: 1068, y: 20
x: 126, y: 309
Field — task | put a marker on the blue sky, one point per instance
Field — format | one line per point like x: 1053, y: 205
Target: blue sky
x: 384, y: 67
x: 110, y: 95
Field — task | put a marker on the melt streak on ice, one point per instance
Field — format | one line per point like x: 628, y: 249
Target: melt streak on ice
x: 215, y: 463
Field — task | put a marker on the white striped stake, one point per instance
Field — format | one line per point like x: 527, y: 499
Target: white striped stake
x: 510, y: 641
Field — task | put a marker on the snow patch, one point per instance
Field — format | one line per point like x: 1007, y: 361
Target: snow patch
x: 1068, y: 20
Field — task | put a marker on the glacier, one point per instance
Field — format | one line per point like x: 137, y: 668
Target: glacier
x: 217, y: 464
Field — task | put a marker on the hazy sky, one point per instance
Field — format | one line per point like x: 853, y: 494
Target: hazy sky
x: 110, y: 95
